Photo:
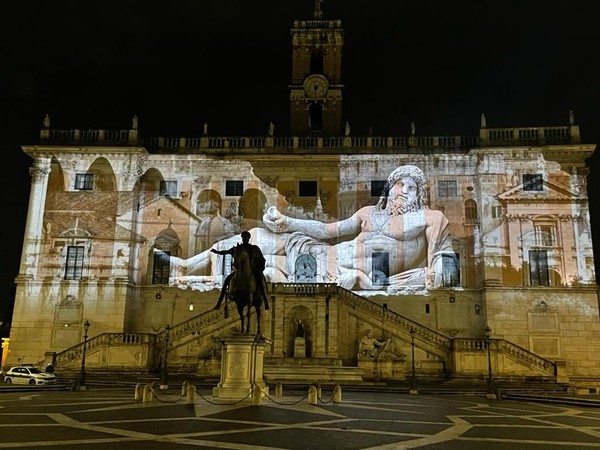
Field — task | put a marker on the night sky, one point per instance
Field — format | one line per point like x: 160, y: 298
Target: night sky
x: 94, y: 64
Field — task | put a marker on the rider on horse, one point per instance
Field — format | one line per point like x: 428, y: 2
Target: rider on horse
x: 257, y: 263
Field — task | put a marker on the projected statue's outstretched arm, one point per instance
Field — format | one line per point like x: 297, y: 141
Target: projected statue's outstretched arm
x: 280, y: 223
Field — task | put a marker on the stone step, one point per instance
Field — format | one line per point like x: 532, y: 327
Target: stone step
x: 312, y: 374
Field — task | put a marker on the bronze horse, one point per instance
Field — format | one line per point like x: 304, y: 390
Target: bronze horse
x: 242, y: 288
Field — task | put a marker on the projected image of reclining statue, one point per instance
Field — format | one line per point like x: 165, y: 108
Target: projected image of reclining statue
x: 398, y: 244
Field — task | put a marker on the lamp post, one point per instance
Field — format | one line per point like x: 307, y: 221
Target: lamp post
x: 164, y: 383
x: 413, y: 377
x: 86, y: 327
x: 488, y: 344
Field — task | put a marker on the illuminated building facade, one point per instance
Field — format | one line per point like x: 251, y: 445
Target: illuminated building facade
x: 120, y: 227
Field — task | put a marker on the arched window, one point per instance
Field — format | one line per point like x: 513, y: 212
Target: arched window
x: 306, y: 269
x: 470, y: 211
x: 166, y: 244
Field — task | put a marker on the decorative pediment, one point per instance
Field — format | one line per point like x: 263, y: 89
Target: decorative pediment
x: 551, y: 193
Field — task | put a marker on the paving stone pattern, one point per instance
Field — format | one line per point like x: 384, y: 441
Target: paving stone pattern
x: 110, y: 418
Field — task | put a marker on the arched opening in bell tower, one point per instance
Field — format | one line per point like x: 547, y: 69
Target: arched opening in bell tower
x: 315, y: 119
x: 316, y: 61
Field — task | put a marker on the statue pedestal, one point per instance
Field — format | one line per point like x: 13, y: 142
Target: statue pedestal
x: 241, y: 366
x: 300, y: 348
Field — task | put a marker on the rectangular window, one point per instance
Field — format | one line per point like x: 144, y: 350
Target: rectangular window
x: 234, y: 188
x: 161, y: 268
x: 545, y: 235
x: 74, y: 266
x: 307, y: 189
x: 496, y: 212
x: 380, y: 270
x: 84, y: 181
x: 533, y: 182
x: 377, y: 187
x: 538, y: 268
x: 169, y: 188
x: 447, y: 188
x: 450, y: 269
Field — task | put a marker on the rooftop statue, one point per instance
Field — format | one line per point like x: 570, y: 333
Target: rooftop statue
x: 397, y: 245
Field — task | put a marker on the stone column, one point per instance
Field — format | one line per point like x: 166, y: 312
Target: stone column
x: 35, y: 216
x: 278, y: 311
x: 319, y: 350
x: 332, y: 337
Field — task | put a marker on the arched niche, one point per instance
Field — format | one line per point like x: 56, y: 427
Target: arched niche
x: 105, y: 180
x: 252, y: 205
x: 293, y: 317
x: 305, y: 269
x: 56, y: 178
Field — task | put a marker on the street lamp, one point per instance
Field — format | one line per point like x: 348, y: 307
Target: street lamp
x: 413, y: 378
x: 86, y: 327
x: 164, y: 383
x: 488, y: 344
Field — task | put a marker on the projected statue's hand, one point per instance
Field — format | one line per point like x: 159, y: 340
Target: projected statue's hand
x: 275, y: 221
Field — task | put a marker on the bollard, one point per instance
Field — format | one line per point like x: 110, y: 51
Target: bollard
x: 319, y: 391
x: 138, y: 392
x: 191, y: 394
x: 148, y: 394
x: 312, y: 395
x: 337, y: 394
x: 279, y: 390
x: 257, y: 395
x: 184, y: 388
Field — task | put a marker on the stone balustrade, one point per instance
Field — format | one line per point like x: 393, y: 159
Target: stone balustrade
x: 488, y: 137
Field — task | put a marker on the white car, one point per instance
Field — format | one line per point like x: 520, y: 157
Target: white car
x: 29, y: 375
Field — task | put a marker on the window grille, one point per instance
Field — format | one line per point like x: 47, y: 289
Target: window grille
x: 169, y: 188
x: 533, y: 182
x: 447, y: 188
x: 84, y: 181
x: 161, y: 267
x: 234, y: 188
x: 538, y: 268
x: 74, y: 266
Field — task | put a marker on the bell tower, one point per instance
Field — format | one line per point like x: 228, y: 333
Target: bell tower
x: 316, y: 85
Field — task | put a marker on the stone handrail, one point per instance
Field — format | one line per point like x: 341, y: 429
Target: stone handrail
x: 190, y: 325
x: 426, y: 334
x: 100, y: 340
x: 525, y: 356
x: 429, y: 335
x: 517, y: 352
x: 306, y: 289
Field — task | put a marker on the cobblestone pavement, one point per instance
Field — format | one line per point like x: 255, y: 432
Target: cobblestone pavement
x: 111, y: 418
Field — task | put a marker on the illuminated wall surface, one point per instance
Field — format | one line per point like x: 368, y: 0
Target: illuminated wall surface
x: 378, y: 225
x: 455, y: 234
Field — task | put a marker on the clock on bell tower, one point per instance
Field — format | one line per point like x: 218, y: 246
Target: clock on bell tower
x: 316, y: 84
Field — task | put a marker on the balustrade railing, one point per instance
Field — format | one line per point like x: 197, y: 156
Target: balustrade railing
x: 426, y: 334
x: 100, y: 340
x: 488, y: 137
x: 517, y: 352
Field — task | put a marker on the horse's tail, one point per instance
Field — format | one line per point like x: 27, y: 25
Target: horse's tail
x: 225, y: 309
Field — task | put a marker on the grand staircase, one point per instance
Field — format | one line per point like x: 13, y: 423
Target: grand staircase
x: 458, y: 358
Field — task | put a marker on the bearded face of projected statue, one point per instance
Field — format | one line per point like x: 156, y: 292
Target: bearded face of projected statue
x: 398, y: 243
